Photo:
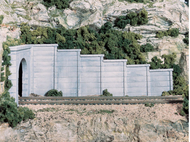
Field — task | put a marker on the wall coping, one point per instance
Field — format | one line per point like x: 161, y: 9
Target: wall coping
x: 118, y: 60
x: 141, y: 65
x: 68, y: 50
x: 160, y: 70
x: 93, y: 55
x: 28, y: 46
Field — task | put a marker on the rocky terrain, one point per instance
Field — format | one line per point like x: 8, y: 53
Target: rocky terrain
x: 162, y: 15
x: 101, y: 123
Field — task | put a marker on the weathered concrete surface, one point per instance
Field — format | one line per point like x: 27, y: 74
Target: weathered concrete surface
x: 46, y: 68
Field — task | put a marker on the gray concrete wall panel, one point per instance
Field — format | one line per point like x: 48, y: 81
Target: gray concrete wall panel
x: 90, y: 75
x: 66, y: 71
x: 160, y: 80
x: 80, y: 75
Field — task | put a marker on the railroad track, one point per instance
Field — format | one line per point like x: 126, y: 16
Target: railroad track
x: 99, y: 100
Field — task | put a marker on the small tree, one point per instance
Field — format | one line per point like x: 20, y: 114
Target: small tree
x: 54, y: 92
x: 106, y: 93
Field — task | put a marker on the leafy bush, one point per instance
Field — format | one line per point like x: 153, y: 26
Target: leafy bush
x: 133, y: 19
x: 106, y: 93
x: 185, y: 109
x: 146, y: 48
x: 164, y: 93
x: 114, y: 44
x: 1, y: 19
x: 10, y: 113
x: 25, y: 113
x: 186, y: 39
x: 60, y: 4
x: 155, y: 63
x: 180, y: 86
x: 6, y: 59
x: 174, y: 32
x: 102, y: 111
x: 54, y: 92
x: 106, y: 27
x: 121, y: 22
x: 149, y: 104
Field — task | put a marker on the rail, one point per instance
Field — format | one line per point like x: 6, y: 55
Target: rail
x: 99, y: 100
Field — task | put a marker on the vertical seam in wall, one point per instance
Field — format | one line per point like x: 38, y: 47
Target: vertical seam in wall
x: 100, y: 75
x: 32, y: 65
x: 16, y: 80
x: 147, y: 80
x: 124, y: 78
x: 54, y: 70
x: 77, y: 73
x: 55, y: 77
x: 170, y: 79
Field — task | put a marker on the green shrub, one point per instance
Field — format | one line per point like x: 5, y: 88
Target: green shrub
x: 180, y: 86
x: 25, y: 113
x: 105, y: 28
x: 54, y: 92
x: 1, y: 19
x: 164, y: 93
x: 170, y: 92
x: 114, y: 44
x: 182, y: 112
x: 133, y: 19
x: 60, y: 4
x: 121, y: 22
x: 146, y: 47
x: 2, y: 77
x: 155, y: 63
x: 102, y: 111
x: 10, y: 113
x: 186, y: 39
x: 171, y: 32
x: 149, y: 104
x: 106, y: 93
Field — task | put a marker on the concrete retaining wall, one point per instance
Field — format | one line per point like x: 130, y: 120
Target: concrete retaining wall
x: 80, y: 75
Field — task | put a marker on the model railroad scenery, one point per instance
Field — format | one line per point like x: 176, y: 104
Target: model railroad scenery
x: 75, y: 70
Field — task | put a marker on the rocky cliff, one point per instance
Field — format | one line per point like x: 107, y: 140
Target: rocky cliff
x: 101, y: 123
x: 162, y: 15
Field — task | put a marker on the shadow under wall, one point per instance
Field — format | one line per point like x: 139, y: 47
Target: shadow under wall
x: 20, y: 80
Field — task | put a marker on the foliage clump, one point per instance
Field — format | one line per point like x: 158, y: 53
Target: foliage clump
x: 114, y: 44
x: 1, y: 19
x: 60, y: 4
x: 146, y: 47
x: 103, y: 111
x: 54, y: 92
x: 106, y: 93
x: 180, y: 87
x: 186, y: 39
x: 6, y: 60
x: 10, y: 113
x: 185, y: 109
x: 174, y: 32
x: 165, y: 93
x: 133, y: 19
x: 149, y: 104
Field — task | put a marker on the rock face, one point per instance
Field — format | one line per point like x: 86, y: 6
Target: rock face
x: 132, y: 123
x: 162, y: 15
